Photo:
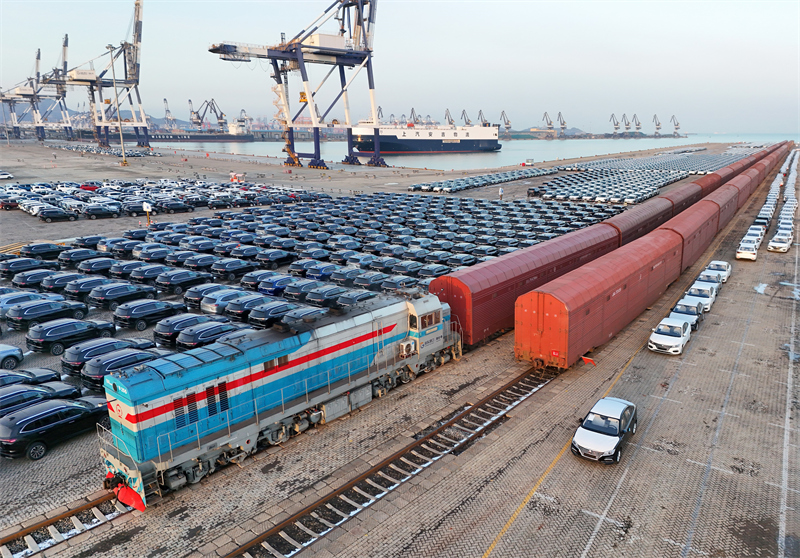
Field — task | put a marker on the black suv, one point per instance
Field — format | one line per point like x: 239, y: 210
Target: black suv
x: 298, y: 290
x: 174, y: 207
x: 200, y: 262
x: 204, y: 334
x: 75, y: 357
x: 178, y: 280
x: 17, y: 397
x: 370, y: 280
x: 79, y: 289
x: 179, y: 256
x: 11, y: 267
x: 135, y: 234
x: 252, y: 279
x: 267, y: 314
x: 125, y: 249
x: 141, y: 313
x: 147, y: 274
x: 230, y: 268
x: 347, y: 275
x: 31, y: 279
x: 41, y: 251
x: 57, y: 335
x: 89, y: 241
x: 28, y: 314
x: 167, y: 330
x: 56, y: 214
x: 71, y: 258
x: 55, y: 283
x: 100, y: 212
x: 97, y: 265
x: 274, y: 258
x: 123, y: 269
x: 153, y: 255
x: 28, y: 376
x: 194, y: 296
x: 96, y: 369
x: 112, y: 295
x: 239, y: 309
x: 326, y: 295
x: 31, y: 431
x: 300, y: 267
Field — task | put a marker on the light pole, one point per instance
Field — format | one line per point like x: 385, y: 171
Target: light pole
x: 116, y: 101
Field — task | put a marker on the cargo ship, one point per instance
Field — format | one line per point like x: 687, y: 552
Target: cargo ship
x: 416, y: 138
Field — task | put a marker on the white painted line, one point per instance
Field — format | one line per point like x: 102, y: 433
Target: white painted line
x: 779, y: 486
x: 676, y: 543
x: 689, y: 363
x: 26, y: 353
x: 711, y: 467
x: 787, y: 427
x: 724, y: 413
x: 666, y: 398
x: 604, y: 515
x: 741, y: 343
x: 596, y: 516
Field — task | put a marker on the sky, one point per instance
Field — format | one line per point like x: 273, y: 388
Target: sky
x: 719, y: 66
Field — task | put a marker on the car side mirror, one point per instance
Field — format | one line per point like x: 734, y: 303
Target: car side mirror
x: 652, y: 329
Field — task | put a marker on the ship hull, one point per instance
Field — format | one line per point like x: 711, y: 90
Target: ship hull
x: 365, y: 145
x: 113, y: 137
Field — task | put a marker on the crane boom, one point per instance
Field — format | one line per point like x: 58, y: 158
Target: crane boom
x: 563, y: 124
x: 547, y: 121
x: 615, y: 122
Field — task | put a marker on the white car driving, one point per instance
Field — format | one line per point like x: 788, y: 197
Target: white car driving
x: 604, y: 430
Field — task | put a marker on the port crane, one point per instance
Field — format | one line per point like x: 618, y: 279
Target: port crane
x: 467, y: 121
x: 636, y: 123
x: 483, y: 120
x: 506, y: 124
x: 169, y: 121
x: 448, y: 117
x: 674, y: 120
x: 626, y: 123
x: 197, y: 117
x: 563, y: 124
x: 350, y: 47
x: 549, y: 122
x: 615, y: 122
x: 658, y: 125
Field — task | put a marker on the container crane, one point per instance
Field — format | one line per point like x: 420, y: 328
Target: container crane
x: 547, y: 121
x: 194, y: 118
x: 449, y: 118
x: 615, y: 122
x: 199, y: 116
x: 626, y: 123
x: 506, y: 124
x: 637, y: 124
x: 674, y: 120
x: 563, y: 124
x: 485, y: 123
x: 350, y: 47
x: 467, y: 121
x: 658, y: 125
x: 169, y: 121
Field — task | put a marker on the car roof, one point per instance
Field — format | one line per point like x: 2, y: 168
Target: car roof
x: 689, y: 301
x: 610, y: 407
x: 673, y: 322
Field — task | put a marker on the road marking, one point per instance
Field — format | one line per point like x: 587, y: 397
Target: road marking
x: 741, y: 343
x: 666, y: 398
x: 690, y: 364
x: 676, y: 543
x: 597, y: 516
x: 781, y: 486
x: 724, y: 413
x: 788, y: 428
x: 711, y: 467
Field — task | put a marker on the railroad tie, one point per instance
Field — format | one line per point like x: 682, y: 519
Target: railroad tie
x: 290, y: 540
x: 322, y: 520
x: 272, y: 550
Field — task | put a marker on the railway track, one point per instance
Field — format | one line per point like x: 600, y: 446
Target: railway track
x: 57, y: 529
x: 452, y: 435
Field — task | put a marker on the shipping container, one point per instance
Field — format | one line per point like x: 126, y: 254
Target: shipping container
x: 683, y: 197
x: 563, y: 320
x: 726, y: 199
x: 482, y: 297
x: 641, y: 219
x: 697, y: 226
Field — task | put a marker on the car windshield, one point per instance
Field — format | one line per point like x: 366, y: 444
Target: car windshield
x: 601, y: 424
x: 702, y: 293
x: 672, y: 331
x: 717, y: 267
x: 684, y: 309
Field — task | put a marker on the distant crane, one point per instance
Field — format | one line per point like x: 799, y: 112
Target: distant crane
x: 547, y: 121
x: 626, y: 123
x: 483, y: 120
x: 197, y: 117
x: 657, y: 122
x: 563, y: 124
x: 169, y: 121
x: 674, y: 120
x: 637, y: 124
x: 467, y: 121
x: 615, y: 122
x: 506, y: 123
x: 449, y: 118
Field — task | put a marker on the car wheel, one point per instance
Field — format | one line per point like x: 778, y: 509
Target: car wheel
x: 150, y: 296
x: 36, y: 451
x: 92, y: 216
x: 617, y: 456
x: 171, y: 211
x: 34, y: 323
x: 10, y: 363
x: 105, y: 334
x: 56, y: 349
x: 154, y: 213
x: 231, y: 276
x: 191, y: 209
x: 177, y: 290
x: 113, y: 306
x: 152, y: 282
x: 79, y: 314
x: 48, y: 220
x: 134, y: 214
x: 273, y: 266
x: 71, y: 217
x: 38, y: 258
x: 141, y: 325
x: 115, y: 215
x: 633, y: 428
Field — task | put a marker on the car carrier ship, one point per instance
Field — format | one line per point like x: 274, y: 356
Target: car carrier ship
x: 415, y: 138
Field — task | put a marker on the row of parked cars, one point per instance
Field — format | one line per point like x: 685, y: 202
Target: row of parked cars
x: 608, y: 185
x: 685, y: 161
x: 672, y: 334
x: 468, y: 183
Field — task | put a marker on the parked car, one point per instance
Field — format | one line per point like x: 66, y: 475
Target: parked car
x: 56, y: 336
x: 326, y: 296
x: 139, y: 314
x: 266, y: 315
x: 9, y: 300
x: 11, y: 267
x: 147, y: 274
x: 193, y: 297
x: 31, y: 279
x: 33, y: 430
x: 371, y: 280
x: 18, y: 396
x: 670, y: 336
x: 433, y: 270
x: 689, y: 311
x: 231, y: 268
x: 252, y: 279
x: 100, y: 266
x: 275, y: 258
x: 276, y: 284
x: 10, y: 357
x: 42, y: 251
x: 346, y: 275
x: 56, y: 282
x: 298, y: 290
x: 397, y: 282
x: 122, y: 269
x: 204, y: 334
x: 177, y: 281
x: 351, y: 298
x: 89, y: 241
x: 721, y: 266
x: 112, y: 295
x: 215, y: 302
x: 605, y: 429
x: 80, y: 288
x: 95, y: 370
x: 28, y: 376
x: 50, y: 215
x: 300, y: 267
x: 125, y: 249
x: 71, y: 258
x: 99, y: 211
x: 239, y: 309
x: 28, y: 314
x: 704, y: 291
x: 75, y: 357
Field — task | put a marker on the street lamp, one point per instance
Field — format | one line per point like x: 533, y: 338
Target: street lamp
x: 116, y: 101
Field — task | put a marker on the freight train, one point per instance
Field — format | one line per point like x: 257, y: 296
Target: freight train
x: 562, y: 320
x: 482, y: 297
x: 179, y: 418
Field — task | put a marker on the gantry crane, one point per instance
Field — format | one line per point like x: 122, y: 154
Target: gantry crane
x: 506, y: 124
x: 658, y: 125
x: 626, y: 123
x: 349, y: 48
x: 563, y: 124
x: 169, y: 121
x: 637, y: 124
x: 197, y: 117
x: 615, y: 122
x: 674, y: 120
x: 549, y: 122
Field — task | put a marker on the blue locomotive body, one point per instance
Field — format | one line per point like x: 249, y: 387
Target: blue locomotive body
x: 176, y: 419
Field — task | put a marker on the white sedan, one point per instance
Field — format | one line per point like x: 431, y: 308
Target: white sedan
x: 6, y: 175
x: 722, y: 267
x: 780, y: 243
x: 747, y: 252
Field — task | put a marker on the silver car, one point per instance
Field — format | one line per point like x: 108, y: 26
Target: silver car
x: 10, y: 357
x: 609, y: 424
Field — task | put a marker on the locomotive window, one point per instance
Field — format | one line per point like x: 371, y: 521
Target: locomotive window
x: 412, y: 321
x: 283, y: 361
x: 430, y: 319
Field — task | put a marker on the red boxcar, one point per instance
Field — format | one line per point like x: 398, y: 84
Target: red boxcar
x: 482, y: 297
x: 697, y: 226
x: 568, y: 317
x: 683, y: 197
x: 726, y: 198
x: 637, y: 221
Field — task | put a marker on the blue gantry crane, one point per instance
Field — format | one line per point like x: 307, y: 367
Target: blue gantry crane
x: 349, y: 48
